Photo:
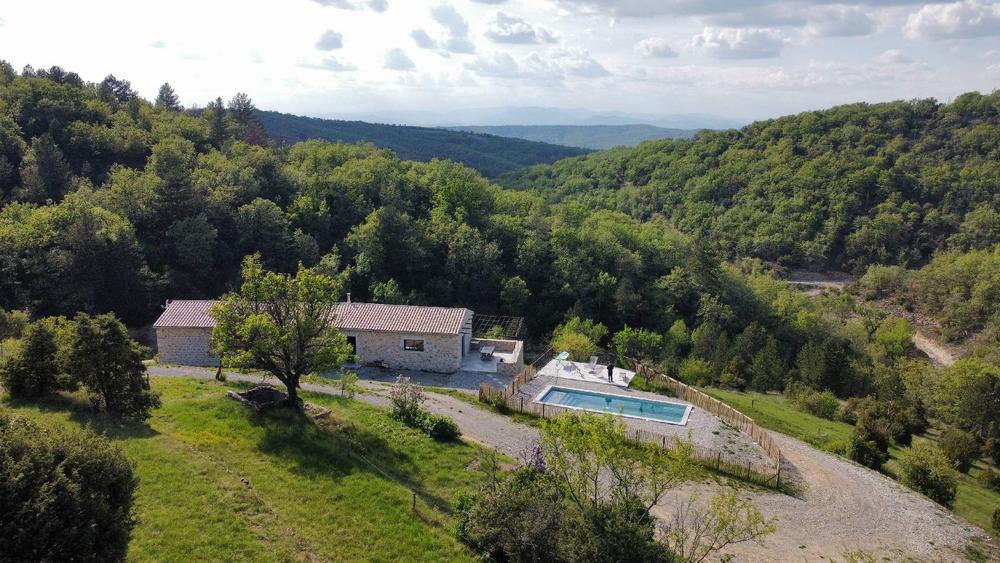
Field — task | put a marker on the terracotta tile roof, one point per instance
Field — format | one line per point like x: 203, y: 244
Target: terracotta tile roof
x: 399, y: 318
x: 377, y: 317
x: 187, y: 314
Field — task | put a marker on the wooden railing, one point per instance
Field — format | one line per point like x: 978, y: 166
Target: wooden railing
x: 767, y: 474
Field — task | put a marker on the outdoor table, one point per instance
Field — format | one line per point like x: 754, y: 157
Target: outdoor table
x: 486, y: 352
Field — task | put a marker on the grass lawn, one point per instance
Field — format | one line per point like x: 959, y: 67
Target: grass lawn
x: 974, y: 502
x: 309, y: 497
x: 775, y: 413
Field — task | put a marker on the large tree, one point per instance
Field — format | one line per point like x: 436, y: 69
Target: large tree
x: 280, y: 324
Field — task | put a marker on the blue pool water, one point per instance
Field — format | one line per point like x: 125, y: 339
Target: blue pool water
x: 673, y: 413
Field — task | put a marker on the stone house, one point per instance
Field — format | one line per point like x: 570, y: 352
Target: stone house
x: 435, y: 339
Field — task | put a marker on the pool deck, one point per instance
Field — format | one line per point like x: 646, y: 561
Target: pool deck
x: 704, y: 429
x: 579, y: 371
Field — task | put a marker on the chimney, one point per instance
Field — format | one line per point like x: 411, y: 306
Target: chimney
x: 348, y: 297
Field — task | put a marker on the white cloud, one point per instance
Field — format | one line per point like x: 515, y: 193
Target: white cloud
x: 840, y: 21
x: 459, y: 45
x: 396, y: 59
x: 458, y: 30
x: 892, y: 56
x: 423, y: 40
x: 375, y: 5
x: 655, y: 48
x: 448, y: 16
x: 158, y: 44
x: 730, y: 43
x: 510, y: 29
x: 330, y: 40
x: 500, y: 65
x: 328, y: 63
x: 958, y: 20
x: 552, y: 65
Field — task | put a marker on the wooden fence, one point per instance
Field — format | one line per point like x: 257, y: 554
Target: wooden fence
x: 767, y: 474
x: 728, y: 414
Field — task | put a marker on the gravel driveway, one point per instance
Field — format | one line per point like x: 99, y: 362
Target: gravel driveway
x: 844, y: 506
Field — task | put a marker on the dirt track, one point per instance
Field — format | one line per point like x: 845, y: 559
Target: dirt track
x: 846, y: 507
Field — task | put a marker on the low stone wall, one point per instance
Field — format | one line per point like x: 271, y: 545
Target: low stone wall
x: 513, y: 355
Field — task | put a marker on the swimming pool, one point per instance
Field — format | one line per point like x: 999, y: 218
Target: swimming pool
x: 634, y: 407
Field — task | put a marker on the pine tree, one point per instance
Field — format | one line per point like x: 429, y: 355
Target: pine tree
x: 166, y: 99
x: 242, y: 109
x: 45, y: 174
x: 217, y: 126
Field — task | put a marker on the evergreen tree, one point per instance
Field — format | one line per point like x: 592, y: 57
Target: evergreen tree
x: 217, y: 125
x: 33, y: 370
x: 242, y: 109
x: 166, y: 99
x: 109, y: 363
x: 45, y: 174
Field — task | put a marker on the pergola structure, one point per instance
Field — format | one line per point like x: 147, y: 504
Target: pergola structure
x: 484, y: 324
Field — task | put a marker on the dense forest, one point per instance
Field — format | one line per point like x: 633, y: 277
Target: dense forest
x: 841, y: 188
x: 490, y: 154
x: 586, y: 136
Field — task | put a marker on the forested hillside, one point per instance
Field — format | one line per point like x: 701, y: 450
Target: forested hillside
x: 491, y: 155
x: 587, y: 136
x: 113, y: 204
x: 841, y: 188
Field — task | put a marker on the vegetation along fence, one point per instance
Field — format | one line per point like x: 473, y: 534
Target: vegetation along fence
x: 767, y: 474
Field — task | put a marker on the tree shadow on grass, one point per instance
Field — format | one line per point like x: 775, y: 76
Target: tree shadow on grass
x: 336, y: 447
x: 82, y: 413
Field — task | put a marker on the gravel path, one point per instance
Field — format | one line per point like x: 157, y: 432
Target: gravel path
x: 843, y: 507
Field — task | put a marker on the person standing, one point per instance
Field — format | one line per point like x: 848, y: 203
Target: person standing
x: 611, y: 371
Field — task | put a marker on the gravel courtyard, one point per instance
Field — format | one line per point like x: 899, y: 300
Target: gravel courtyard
x: 704, y: 429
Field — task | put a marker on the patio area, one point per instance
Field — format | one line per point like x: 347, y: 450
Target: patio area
x: 591, y: 373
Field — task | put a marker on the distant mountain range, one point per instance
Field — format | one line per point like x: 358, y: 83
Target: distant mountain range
x: 542, y: 116
x: 596, y: 137
x: 491, y: 155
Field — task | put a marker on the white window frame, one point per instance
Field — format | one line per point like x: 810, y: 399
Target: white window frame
x: 422, y: 341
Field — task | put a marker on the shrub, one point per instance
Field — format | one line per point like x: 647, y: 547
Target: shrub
x: 823, y: 404
x: 440, y: 427
x: 881, y: 281
x: 866, y: 451
x: 348, y: 384
x: 33, y: 371
x: 990, y: 479
x: 66, y: 495
x: 996, y: 519
x: 991, y: 449
x: 960, y: 447
x: 12, y: 324
x: 406, y: 399
x: 695, y: 371
x: 925, y: 469
x: 109, y: 364
x: 516, y: 518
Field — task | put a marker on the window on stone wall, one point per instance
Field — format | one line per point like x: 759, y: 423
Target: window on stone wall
x: 413, y: 345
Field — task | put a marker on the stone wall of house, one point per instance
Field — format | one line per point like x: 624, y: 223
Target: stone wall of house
x: 185, y: 346
x: 442, y: 352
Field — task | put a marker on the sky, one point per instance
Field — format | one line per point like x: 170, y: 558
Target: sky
x: 745, y: 59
